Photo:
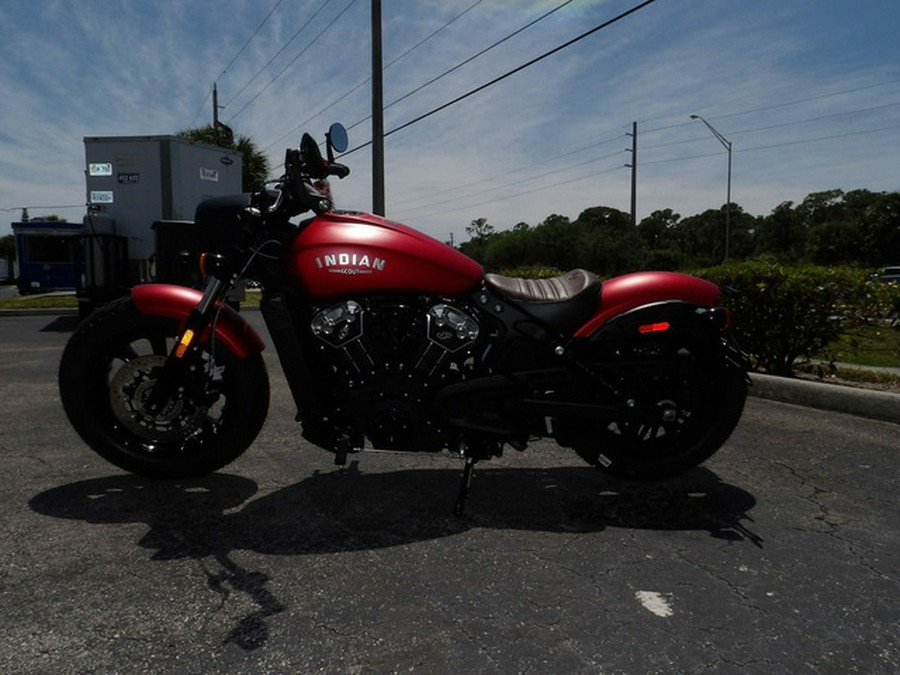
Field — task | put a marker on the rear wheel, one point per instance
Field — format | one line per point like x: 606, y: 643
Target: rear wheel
x: 685, y: 406
x: 111, y: 365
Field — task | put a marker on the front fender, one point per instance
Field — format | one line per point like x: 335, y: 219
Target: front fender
x: 176, y: 302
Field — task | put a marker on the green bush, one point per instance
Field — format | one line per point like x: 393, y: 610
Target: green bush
x: 530, y: 272
x: 783, y: 314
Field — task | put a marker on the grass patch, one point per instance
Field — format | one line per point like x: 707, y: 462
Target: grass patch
x: 869, y: 379
x: 866, y: 345
x: 40, y: 302
x: 251, y: 298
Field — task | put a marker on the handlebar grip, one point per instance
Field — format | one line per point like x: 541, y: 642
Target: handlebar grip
x: 339, y: 170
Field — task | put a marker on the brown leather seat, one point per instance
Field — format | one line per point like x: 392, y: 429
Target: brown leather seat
x: 556, y: 289
x: 565, y: 302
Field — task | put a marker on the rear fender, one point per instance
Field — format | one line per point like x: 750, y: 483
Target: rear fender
x: 662, y: 318
x: 176, y: 302
x: 666, y: 291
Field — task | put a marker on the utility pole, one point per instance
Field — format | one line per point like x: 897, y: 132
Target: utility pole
x: 216, y: 107
x: 224, y: 134
x: 633, y: 166
x: 377, y: 113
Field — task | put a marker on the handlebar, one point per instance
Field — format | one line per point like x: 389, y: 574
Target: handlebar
x: 296, y: 192
x: 339, y: 170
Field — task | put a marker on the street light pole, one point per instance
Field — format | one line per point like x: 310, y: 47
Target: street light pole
x: 727, y: 144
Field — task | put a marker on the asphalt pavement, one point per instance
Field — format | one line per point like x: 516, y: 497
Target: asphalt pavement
x: 780, y: 554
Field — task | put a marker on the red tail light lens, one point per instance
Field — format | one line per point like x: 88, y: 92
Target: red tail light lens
x: 659, y: 327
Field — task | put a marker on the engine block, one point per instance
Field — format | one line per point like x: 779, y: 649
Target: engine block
x: 395, y: 336
x: 389, y: 357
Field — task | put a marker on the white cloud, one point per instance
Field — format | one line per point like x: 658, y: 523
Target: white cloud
x: 69, y: 70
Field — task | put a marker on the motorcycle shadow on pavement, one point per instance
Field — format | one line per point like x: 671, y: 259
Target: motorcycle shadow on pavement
x: 352, y: 510
x: 207, y: 519
x: 61, y: 324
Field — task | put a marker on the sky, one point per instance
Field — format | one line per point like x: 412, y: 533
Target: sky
x: 806, y: 91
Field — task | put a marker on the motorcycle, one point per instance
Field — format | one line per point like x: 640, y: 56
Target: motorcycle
x: 391, y: 340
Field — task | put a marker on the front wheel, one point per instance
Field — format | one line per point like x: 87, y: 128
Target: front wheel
x: 106, y: 375
x: 687, y: 400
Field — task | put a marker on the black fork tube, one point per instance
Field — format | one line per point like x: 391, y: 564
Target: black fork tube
x: 185, y: 346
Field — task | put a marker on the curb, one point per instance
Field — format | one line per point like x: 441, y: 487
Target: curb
x: 879, y: 405
x: 65, y: 311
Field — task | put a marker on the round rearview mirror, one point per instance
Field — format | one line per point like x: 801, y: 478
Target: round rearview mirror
x: 337, y: 137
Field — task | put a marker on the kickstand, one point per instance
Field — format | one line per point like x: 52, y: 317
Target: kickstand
x: 464, y: 486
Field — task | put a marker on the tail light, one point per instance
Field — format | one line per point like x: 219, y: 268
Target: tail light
x: 658, y: 327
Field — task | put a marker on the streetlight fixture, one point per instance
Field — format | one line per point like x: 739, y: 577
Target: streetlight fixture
x: 727, y: 144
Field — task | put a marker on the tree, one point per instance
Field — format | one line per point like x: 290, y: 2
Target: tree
x: 832, y: 227
x: 658, y: 235
x: 880, y: 231
x: 833, y: 242
x: 608, y: 244
x: 781, y: 233
x: 701, y: 237
x: 479, y: 229
x: 510, y: 248
x: 820, y: 207
x: 480, y: 233
x: 656, y: 230
x: 743, y: 232
x: 256, y: 165
x: 554, y: 241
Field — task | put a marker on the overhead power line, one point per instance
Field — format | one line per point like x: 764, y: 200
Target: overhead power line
x: 769, y: 127
x: 456, y: 190
x: 294, y: 60
x: 366, y: 81
x: 523, y: 193
x: 250, y: 39
x: 511, y: 184
x: 278, y: 53
x: 512, y: 72
x: 475, y: 56
x: 433, y: 33
x: 464, y: 62
x: 234, y: 58
x: 786, y: 104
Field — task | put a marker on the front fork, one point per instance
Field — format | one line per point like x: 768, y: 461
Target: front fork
x: 188, y: 344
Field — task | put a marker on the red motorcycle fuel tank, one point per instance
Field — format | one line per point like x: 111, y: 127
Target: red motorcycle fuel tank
x: 343, y: 253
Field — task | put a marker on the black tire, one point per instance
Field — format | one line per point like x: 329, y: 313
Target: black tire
x: 696, y: 401
x: 110, y: 363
